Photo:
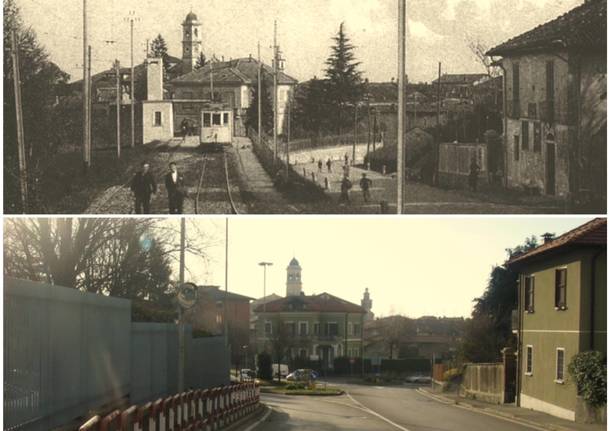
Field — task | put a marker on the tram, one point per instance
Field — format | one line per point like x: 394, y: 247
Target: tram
x: 216, y: 125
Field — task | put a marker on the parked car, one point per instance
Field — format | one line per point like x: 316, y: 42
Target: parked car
x: 418, y: 378
x: 302, y: 375
x: 247, y: 374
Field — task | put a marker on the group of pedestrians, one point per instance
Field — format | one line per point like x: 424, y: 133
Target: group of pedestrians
x: 144, y: 186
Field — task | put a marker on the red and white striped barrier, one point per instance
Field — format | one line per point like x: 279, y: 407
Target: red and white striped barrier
x: 195, y: 410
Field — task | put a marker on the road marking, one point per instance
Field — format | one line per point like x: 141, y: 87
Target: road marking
x: 374, y: 413
x: 483, y: 412
x: 258, y: 422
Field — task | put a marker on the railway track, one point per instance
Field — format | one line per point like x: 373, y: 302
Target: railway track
x: 214, y: 193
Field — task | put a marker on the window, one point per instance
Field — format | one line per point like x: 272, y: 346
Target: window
x: 303, y: 328
x: 560, y: 364
x: 268, y: 328
x: 529, y: 293
x: 529, y: 360
x: 206, y: 119
x: 561, y: 282
x: 316, y: 328
x: 537, y: 137
x: 225, y: 118
x: 516, y: 148
x: 158, y: 118
x: 216, y: 119
x: 525, y: 135
x: 332, y: 329
x: 356, y: 329
x: 303, y: 354
x: 550, y: 90
x: 516, y: 106
x: 290, y: 328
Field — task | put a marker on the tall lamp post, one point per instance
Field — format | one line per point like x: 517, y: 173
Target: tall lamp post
x: 265, y: 265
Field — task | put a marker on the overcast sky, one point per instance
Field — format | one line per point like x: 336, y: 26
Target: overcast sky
x: 439, y: 30
x: 412, y: 266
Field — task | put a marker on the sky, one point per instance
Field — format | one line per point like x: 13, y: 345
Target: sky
x: 411, y: 266
x: 438, y: 30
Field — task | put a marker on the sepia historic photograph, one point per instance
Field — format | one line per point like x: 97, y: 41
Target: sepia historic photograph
x: 315, y: 107
x: 257, y: 324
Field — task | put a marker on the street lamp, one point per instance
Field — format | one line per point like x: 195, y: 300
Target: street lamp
x: 265, y: 265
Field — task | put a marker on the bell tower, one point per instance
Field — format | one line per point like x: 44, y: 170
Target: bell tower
x: 191, y: 42
x: 367, y: 304
x: 293, y: 278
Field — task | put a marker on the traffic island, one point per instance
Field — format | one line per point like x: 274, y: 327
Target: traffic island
x: 303, y: 389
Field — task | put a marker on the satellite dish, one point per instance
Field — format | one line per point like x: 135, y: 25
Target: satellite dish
x: 187, y: 295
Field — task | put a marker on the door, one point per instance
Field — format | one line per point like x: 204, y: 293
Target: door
x: 550, y: 168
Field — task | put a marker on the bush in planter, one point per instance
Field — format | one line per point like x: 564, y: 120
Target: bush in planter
x: 588, y: 369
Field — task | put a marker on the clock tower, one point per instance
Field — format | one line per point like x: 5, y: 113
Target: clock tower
x: 293, y: 278
x: 191, y: 42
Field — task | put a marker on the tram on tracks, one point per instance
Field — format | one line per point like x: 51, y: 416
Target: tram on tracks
x: 216, y: 126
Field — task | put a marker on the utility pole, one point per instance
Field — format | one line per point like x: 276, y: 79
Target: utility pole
x: 23, y: 178
x: 288, y: 135
x: 368, y: 123
x: 275, y: 101
x: 400, y: 160
x: 180, y: 313
x: 132, y: 18
x: 89, y: 117
x: 265, y: 265
x: 117, y: 66
x: 212, y: 79
x: 86, y: 113
x: 355, y: 133
x: 260, y: 115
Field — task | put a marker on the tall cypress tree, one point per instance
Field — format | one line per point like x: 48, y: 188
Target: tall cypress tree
x: 344, y: 78
x: 158, y: 49
x: 266, y: 107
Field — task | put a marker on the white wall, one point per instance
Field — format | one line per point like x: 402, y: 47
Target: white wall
x: 150, y: 131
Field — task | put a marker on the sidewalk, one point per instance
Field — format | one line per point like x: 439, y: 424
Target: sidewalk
x: 531, y: 418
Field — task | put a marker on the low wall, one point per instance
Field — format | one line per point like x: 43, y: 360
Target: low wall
x: 484, y: 382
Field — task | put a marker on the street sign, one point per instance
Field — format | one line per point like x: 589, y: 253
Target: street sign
x: 187, y: 295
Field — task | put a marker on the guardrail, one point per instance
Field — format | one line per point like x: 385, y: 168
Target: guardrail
x: 188, y: 411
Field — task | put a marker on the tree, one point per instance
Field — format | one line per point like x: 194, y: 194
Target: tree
x: 281, y: 342
x: 311, y: 110
x: 41, y: 82
x: 489, y: 329
x: 395, y: 331
x: 201, y: 61
x: 344, y: 79
x: 158, y: 49
x: 266, y: 107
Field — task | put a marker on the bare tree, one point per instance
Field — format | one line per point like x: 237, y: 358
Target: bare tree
x: 479, y: 50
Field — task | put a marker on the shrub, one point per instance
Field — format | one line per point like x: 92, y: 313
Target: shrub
x: 263, y: 363
x: 588, y: 369
x: 296, y: 386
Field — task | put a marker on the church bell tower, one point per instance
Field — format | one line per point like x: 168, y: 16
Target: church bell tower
x: 191, y: 42
x: 293, y: 278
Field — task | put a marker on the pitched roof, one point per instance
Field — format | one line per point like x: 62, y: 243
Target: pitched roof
x: 324, y: 302
x: 582, y: 27
x: 591, y: 233
x: 217, y: 294
x: 238, y: 71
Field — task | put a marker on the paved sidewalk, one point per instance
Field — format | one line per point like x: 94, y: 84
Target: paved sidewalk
x: 528, y: 417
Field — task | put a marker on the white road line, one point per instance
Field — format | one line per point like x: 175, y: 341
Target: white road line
x: 493, y: 415
x: 374, y: 413
x: 258, y: 422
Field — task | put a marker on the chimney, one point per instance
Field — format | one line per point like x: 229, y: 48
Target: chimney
x: 548, y: 237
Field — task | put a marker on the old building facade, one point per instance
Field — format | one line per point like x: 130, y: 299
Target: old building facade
x: 555, y: 106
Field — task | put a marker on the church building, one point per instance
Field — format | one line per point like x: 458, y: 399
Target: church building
x: 309, y: 329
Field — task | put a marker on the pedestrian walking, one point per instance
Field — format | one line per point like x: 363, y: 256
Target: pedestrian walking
x: 320, y: 164
x: 143, y: 185
x: 174, y: 183
x: 346, y: 185
x: 184, y: 127
x: 365, y: 186
x: 346, y: 158
x: 473, y: 178
x: 329, y: 165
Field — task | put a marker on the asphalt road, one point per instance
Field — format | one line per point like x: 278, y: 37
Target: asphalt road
x: 373, y: 408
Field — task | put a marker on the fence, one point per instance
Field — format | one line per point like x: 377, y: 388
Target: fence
x: 193, y: 410
x: 67, y: 352
x: 484, y: 382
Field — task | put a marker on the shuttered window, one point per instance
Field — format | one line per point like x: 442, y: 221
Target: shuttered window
x: 525, y: 135
x: 529, y: 294
x: 550, y: 90
x: 529, y: 360
x: 560, y: 365
x: 561, y: 287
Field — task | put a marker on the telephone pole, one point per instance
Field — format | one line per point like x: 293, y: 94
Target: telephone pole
x: 260, y: 118
x: 86, y: 95
x: 438, y: 124
x: 275, y: 101
x: 180, y: 312
x: 117, y: 66
x: 23, y: 183
x: 132, y: 18
x: 224, y: 311
x: 400, y: 160
x: 212, y: 79
x: 355, y: 133
x: 288, y: 135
